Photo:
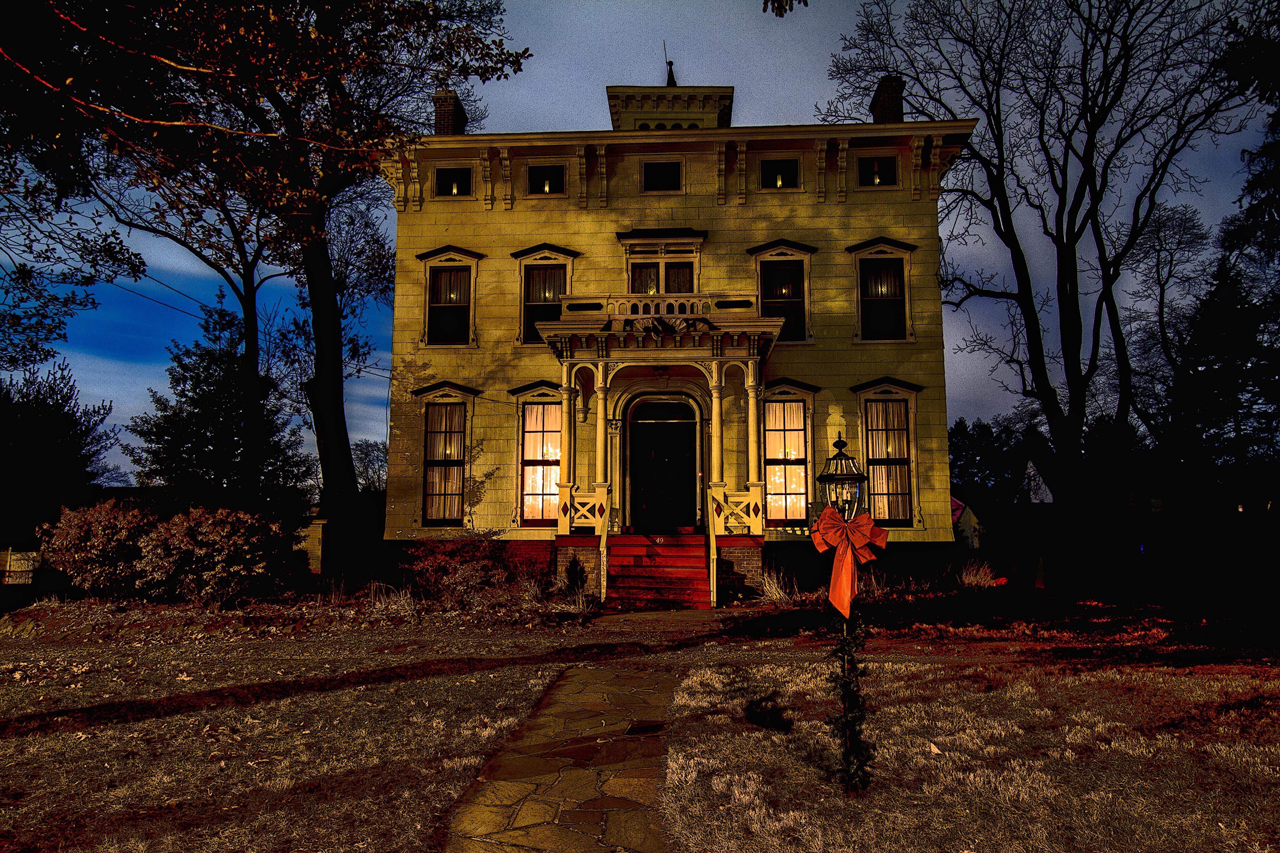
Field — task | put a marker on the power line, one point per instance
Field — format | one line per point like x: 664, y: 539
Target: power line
x: 153, y: 299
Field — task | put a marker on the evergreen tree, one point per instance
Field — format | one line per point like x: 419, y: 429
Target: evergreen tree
x: 55, y: 450
x: 195, y: 445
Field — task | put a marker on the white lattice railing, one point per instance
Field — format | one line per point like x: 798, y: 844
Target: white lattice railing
x: 737, y: 512
x: 579, y: 509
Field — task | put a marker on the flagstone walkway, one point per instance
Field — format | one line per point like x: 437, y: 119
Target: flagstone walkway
x: 582, y: 776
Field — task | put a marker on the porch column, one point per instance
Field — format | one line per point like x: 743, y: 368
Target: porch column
x: 602, y: 433
x: 567, y: 460
x: 753, y: 433
x: 717, y: 433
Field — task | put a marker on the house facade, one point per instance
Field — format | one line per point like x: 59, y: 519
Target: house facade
x: 633, y: 348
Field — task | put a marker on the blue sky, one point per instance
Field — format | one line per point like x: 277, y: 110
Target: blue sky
x: 778, y: 69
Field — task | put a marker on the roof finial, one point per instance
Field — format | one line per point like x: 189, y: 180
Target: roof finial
x: 671, y: 74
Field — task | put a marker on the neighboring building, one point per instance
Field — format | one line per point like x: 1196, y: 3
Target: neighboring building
x: 617, y: 343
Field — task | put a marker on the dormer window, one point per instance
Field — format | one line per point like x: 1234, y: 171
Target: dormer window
x: 780, y: 174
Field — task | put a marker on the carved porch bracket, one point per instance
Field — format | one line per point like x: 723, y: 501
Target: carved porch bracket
x: 820, y: 150
x: 741, y: 167
x: 582, y: 175
x: 917, y: 152
x: 935, y: 171
x: 602, y: 173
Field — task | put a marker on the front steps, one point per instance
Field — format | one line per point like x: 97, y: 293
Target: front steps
x: 660, y: 571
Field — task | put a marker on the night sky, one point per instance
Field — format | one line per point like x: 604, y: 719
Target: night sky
x: 778, y: 69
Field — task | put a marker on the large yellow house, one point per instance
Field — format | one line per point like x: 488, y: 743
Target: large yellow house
x: 633, y: 348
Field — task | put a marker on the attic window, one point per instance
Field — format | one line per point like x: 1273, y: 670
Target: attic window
x: 780, y: 174
x: 453, y: 182
x: 661, y: 177
x: 546, y: 180
x: 878, y: 171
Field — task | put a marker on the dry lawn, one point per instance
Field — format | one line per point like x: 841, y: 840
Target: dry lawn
x: 978, y: 750
x: 350, y: 736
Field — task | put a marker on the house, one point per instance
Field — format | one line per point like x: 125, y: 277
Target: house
x: 633, y: 348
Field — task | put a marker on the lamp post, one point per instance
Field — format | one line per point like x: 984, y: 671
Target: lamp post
x: 846, y: 526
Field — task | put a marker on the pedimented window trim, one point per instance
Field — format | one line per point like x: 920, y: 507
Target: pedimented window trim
x: 782, y: 244
x: 783, y: 383
x: 433, y: 254
x: 883, y: 248
x: 549, y: 248
x: 441, y: 390
x: 537, y: 385
x: 887, y: 382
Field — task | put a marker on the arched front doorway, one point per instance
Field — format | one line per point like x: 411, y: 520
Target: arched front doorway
x: 662, y: 465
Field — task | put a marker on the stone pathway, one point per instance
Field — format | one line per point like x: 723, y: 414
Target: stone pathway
x: 582, y: 776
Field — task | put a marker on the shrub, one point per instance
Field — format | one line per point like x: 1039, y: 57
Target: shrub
x: 978, y: 574
x: 98, y: 547
x: 472, y: 570
x: 209, y: 557
x: 215, y: 557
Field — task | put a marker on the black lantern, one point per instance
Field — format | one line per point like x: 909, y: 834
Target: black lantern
x: 842, y: 481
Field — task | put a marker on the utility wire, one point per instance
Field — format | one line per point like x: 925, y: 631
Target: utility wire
x: 176, y: 290
x: 157, y: 301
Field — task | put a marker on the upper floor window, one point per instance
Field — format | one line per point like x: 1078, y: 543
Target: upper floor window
x: 653, y: 278
x: 884, y: 300
x: 780, y: 174
x: 452, y: 182
x: 661, y: 176
x: 878, y: 171
x: 450, y: 274
x: 449, y: 306
x: 883, y: 270
x: 782, y: 268
x: 546, y: 274
x: 546, y: 179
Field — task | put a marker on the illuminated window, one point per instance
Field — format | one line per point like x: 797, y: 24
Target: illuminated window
x: 443, y: 464
x: 540, y: 464
x: 546, y: 180
x: 888, y: 462
x: 453, y: 182
x: 878, y: 171
x: 779, y: 174
x: 786, y: 469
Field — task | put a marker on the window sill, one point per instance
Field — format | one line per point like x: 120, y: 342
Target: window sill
x: 662, y: 192
x: 910, y: 339
x: 772, y: 190
x: 454, y: 198
x: 536, y: 196
x: 469, y: 345
x: 876, y: 189
x: 805, y: 343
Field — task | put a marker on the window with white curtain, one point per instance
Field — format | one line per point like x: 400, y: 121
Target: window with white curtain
x: 888, y: 462
x: 540, y: 464
x: 443, y: 460
x: 785, y: 464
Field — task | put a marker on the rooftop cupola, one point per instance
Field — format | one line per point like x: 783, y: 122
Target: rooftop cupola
x: 670, y: 107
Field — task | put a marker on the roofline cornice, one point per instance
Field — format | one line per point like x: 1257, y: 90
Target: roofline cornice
x: 814, y: 132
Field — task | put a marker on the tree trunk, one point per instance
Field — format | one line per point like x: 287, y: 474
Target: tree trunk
x: 252, y: 401
x: 324, y: 388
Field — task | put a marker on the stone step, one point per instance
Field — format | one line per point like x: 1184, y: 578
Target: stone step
x: 656, y: 550
x: 659, y: 561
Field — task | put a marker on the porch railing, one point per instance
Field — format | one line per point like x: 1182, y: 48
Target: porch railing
x: 604, y: 548
x: 671, y: 304
x: 579, y: 509
x: 714, y: 555
x: 739, y: 513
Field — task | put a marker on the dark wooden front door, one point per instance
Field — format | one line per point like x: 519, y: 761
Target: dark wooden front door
x: 664, y: 468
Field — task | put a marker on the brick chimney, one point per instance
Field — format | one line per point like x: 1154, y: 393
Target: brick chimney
x: 451, y: 116
x: 886, y: 103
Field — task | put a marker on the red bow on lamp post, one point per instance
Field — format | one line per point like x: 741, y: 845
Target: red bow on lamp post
x: 851, y: 540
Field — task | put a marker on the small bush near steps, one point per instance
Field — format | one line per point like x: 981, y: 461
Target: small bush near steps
x: 474, y: 570
x: 209, y: 557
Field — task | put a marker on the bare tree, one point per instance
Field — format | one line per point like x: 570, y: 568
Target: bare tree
x: 1085, y: 109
